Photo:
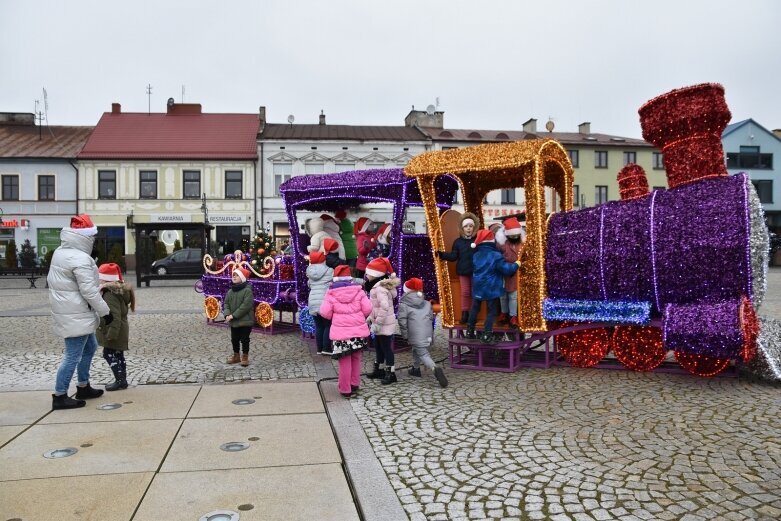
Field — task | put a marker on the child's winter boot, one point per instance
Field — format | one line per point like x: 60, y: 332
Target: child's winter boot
x: 377, y: 373
x: 440, y: 375
x: 414, y: 371
x: 233, y: 359
x: 390, y: 376
x: 244, y: 359
x: 120, y: 383
x: 87, y: 392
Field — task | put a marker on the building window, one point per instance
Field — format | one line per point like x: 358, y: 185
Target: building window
x: 658, y: 161
x: 764, y: 189
x: 630, y: 157
x: 749, y: 157
x: 600, y: 159
x: 107, y: 184
x: 343, y: 167
x: 46, y: 188
x: 192, y: 184
x: 282, y: 172
x: 508, y: 196
x: 11, y: 187
x: 314, y: 168
x: 576, y: 195
x: 600, y: 194
x: 148, y: 184
x: 233, y: 188
x: 574, y: 157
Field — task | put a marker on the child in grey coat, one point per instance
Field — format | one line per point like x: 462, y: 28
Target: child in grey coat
x: 319, y: 277
x: 416, y: 321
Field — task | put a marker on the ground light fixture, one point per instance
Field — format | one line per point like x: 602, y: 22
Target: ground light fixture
x: 60, y: 453
x: 220, y: 515
x: 108, y: 406
x: 243, y: 401
x: 234, y: 446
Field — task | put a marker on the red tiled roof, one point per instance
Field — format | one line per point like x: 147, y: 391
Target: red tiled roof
x: 341, y: 132
x: 565, y: 138
x: 17, y: 141
x: 167, y: 136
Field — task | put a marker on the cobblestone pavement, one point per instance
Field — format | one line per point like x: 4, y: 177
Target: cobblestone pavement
x: 552, y: 444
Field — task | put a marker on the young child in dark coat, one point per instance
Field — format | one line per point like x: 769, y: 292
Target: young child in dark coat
x: 462, y: 254
x: 239, y: 313
x: 114, y: 336
x: 490, y: 269
x: 416, y: 322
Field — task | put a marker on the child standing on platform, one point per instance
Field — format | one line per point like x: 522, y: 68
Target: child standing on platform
x: 381, y: 285
x: 319, y: 277
x: 347, y: 307
x: 511, y: 249
x: 114, y: 336
x: 462, y: 254
x: 364, y: 242
x: 238, y: 309
x: 416, y: 322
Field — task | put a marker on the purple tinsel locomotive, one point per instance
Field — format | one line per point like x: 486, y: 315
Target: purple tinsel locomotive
x: 690, y: 260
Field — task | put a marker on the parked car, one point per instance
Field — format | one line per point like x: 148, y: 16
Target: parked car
x: 188, y: 260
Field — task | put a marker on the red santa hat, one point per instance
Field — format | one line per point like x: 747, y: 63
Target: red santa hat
x: 483, y: 236
x: 243, y: 273
x: 512, y: 227
x: 362, y: 225
x: 379, y: 267
x: 339, y: 215
x: 383, y: 232
x: 316, y: 257
x: 330, y: 245
x: 83, y: 225
x: 342, y: 273
x: 414, y: 284
x: 330, y: 223
x: 110, y: 272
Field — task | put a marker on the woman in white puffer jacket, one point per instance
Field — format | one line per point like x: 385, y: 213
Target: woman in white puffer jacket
x: 74, y: 295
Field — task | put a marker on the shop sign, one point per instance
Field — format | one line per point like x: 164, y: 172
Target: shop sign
x: 500, y: 212
x: 15, y: 223
x: 48, y: 240
x: 170, y: 218
x: 227, y: 219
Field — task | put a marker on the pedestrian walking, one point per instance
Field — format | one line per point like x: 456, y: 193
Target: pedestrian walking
x: 74, y: 295
x: 416, y: 323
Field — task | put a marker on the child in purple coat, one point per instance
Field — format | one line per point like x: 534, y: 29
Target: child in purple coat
x: 346, y: 306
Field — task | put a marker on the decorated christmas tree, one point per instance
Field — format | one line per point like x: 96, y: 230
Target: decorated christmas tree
x: 263, y: 245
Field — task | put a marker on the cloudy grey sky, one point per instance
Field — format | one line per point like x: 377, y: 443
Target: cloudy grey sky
x: 492, y: 64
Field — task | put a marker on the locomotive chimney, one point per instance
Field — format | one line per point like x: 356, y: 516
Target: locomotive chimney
x: 632, y: 182
x: 686, y: 124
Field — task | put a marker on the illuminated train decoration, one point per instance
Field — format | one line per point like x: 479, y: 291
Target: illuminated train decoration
x: 682, y: 269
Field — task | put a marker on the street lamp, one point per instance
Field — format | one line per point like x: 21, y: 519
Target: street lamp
x: 207, y: 228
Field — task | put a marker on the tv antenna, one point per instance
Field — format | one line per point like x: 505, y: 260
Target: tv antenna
x: 45, y: 105
x: 39, y: 117
x: 291, y: 119
x: 182, y: 93
x: 149, y: 98
x: 437, y: 101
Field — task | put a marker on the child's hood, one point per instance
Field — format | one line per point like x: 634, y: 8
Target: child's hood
x: 318, y: 271
x: 414, y: 299
x: 122, y: 289
x: 346, y: 294
x: 390, y: 283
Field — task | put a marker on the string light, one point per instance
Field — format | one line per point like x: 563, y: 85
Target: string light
x: 583, y: 348
x: 701, y: 365
x: 264, y: 314
x: 306, y: 321
x: 211, y: 307
x: 639, y: 348
x: 531, y: 165
x: 632, y: 182
x: 618, y: 311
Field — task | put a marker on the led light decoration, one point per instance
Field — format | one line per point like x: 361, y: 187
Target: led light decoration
x: 701, y: 365
x: 305, y: 320
x: 639, y: 348
x: 750, y: 325
x: 264, y: 314
x: 632, y: 182
x: 583, y: 348
x: 759, y: 246
x: 531, y: 165
x: 767, y: 364
x: 211, y: 307
x: 240, y: 260
x: 711, y: 329
x: 618, y: 311
x: 346, y: 190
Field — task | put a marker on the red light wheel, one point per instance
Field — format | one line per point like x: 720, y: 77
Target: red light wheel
x: 264, y: 314
x: 750, y: 326
x: 639, y: 348
x: 584, y: 348
x: 701, y: 365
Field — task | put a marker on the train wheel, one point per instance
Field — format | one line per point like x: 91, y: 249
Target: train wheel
x: 750, y: 325
x: 211, y: 307
x: 701, y: 365
x: 639, y: 348
x: 584, y: 348
x: 264, y: 314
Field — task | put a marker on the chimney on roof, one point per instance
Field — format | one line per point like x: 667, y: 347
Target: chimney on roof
x: 530, y: 126
x: 183, y: 109
x: 116, y: 108
x: 777, y: 132
x: 585, y: 127
x: 322, y: 118
x: 422, y: 118
x: 17, y: 118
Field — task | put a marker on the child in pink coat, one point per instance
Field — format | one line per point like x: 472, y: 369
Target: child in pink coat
x: 346, y: 306
x: 381, y: 283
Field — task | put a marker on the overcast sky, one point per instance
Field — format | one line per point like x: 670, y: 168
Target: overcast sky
x: 492, y: 64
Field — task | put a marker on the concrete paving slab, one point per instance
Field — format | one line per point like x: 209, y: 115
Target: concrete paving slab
x: 300, y: 439
x: 137, y: 403
x: 24, y: 407
x: 270, y: 398
x: 307, y: 493
x: 9, y: 431
x: 57, y: 498
x: 103, y: 448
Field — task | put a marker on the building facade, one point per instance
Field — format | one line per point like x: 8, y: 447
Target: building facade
x: 751, y: 148
x: 38, y: 174
x: 182, y: 166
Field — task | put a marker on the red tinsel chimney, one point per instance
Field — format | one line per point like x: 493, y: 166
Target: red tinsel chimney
x: 632, y: 182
